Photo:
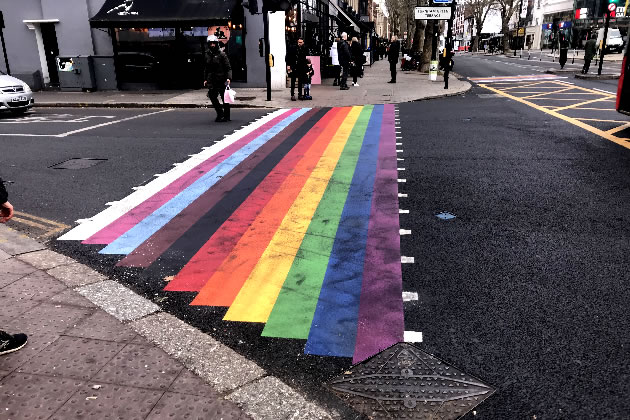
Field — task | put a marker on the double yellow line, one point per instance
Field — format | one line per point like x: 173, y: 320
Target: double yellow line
x: 49, y: 227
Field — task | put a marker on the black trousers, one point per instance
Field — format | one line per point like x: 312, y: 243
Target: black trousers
x: 344, y: 75
x: 300, y: 81
x: 392, y: 69
x: 587, y: 64
x: 215, y: 93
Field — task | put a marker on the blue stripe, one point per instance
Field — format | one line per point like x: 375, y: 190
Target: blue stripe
x: 135, y: 236
x: 334, y: 328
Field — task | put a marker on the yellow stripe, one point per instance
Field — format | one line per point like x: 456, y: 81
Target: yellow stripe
x: 599, y: 120
x: 256, y: 298
x: 581, y: 103
x: 532, y: 84
x: 29, y: 223
x: 544, y: 93
x: 41, y: 219
x: 620, y: 128
x: 573, y: 121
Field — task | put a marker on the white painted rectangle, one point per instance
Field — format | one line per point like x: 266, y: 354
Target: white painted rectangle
x: 409, y: 296
x: 413, y: 337
x: 432, y: 13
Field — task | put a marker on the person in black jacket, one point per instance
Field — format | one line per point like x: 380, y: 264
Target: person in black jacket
x: 392, y: 56
x: 8, y: 343
x: 343, y: 49
x: 296, y: 67
x: 218, y: 73
x: 357, y: 60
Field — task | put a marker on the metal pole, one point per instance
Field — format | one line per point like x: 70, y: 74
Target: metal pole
x: 518, y: 28
x: 4, y: 49
x: 267, y: 53
x: 449, y: 45
x: 601, y: 57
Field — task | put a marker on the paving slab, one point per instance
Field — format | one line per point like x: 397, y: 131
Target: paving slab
x: 12, y: 270
x: 76, y: 274
x: 108, y: 402
x: 14, y: 306
x: 71, y: 298
x: 15, y: 243
x: 35, y: 286
x: 189, y: 383
x: 24, y: 396
x: 45, y: 259
x: 270, y: 398
x: 117, y: 300
x: 102, y: 326
x: 73, y: 357
x: 4, y: 256
x: 174, y: 406
x: 214, y: 362
x: 142, y: 367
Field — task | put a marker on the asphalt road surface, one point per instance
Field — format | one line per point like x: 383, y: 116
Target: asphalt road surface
x: 525, y: 288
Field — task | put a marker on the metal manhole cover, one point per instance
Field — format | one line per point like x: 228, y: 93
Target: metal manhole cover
x: 445, y: 216
x: 405, y: 382
x: 77, y: 163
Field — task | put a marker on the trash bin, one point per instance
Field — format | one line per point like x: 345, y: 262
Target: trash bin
x: 76, y: 73
x: 104, y: 72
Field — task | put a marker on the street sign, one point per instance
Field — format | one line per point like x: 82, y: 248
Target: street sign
x: 443, y: 1
x: 612, y: 7
x: 432, y: 13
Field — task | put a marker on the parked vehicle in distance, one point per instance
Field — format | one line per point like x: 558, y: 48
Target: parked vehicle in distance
x: 614, y: 41
x: 15, y: 95
x: 623, y: 88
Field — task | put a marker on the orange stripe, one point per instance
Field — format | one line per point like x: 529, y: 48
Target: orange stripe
x: 222, y: 288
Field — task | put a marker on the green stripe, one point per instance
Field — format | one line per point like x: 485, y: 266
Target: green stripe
x: 293, y: 312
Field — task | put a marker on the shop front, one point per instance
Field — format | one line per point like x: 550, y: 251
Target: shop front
x: 161, y: 44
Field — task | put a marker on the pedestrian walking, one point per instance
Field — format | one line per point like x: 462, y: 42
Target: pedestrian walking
x: 8, y: 342
x: 344, y: 60
x: 564, y: 51
x: 590, y: 49
x: 218, y: 73
x: 357, y: 60
x: 310, y: 72
x: 296, y: 67
x: 334, y: 57
x: 392, y: 56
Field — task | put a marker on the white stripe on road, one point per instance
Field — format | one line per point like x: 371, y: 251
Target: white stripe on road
x: 111, y: 122
x: 89, y: 227
x: 413, y: 337
x: 409, y: 296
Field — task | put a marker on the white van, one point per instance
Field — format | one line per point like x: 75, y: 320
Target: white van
x: 614, y: 41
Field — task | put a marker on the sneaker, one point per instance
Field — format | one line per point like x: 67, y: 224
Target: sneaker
x: 300, y: 97
x: 10, y: 343
x: 356, y: 84
x: 293, y: 98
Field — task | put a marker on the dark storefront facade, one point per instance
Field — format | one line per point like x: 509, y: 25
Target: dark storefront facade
x: 584, y: 27
x: 160, y: 44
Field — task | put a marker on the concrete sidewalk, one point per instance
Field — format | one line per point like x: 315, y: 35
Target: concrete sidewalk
x: 373, y: 89
x: 546, y: 55
x: 98, y: 350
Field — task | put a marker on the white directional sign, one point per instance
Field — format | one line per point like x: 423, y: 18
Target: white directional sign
x: 431, y: 13
x: 443, y: 1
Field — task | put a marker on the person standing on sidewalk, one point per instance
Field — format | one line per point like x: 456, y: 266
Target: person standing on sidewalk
x: 564, y: 51
x: 590, y: 49
x: 357, y: 59
x: 8, y: 343
x: 392, y: 56
x: 344, y: 60
x: 218, y: 73
x: 296, y: 67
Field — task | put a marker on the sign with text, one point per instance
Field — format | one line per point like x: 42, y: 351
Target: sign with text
x: 433, y: 13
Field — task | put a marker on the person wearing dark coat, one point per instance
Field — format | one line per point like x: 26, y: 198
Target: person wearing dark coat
x: 217, y: 76
x: 357, y: 60
x: 392, y: 56
x: 8, y: 342
x: 343, y: 50
x: 564, y: 51
x: 590, y: 49
x: 296, y: 67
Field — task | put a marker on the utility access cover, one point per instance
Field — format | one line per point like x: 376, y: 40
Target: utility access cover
x: 77, y: 163
x: 405, y: 382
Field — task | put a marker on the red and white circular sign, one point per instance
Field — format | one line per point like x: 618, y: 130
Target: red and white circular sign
x: 612, y: 7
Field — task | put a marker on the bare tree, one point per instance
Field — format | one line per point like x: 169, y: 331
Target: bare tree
x: 479, y: 10
x: 393, y: 8
x: 507, y: 9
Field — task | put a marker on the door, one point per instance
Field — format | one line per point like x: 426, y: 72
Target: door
x: 49, y: 36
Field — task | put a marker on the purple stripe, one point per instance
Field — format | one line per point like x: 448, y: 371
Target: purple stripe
x: 381, y: 319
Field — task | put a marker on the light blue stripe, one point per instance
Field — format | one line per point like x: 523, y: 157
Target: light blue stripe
x: 135, y: 236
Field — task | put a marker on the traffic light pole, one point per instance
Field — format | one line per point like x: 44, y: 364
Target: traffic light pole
x: 448, y: 48
x: 268, y: 53
x: 601, y: 55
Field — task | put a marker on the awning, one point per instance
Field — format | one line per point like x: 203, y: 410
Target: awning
x: 129, y: 13
x: 350, y: 21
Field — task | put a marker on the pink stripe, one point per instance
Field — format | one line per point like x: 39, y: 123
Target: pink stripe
x: 121, y: 225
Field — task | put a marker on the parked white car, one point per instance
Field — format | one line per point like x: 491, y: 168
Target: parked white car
x: 15, y: 95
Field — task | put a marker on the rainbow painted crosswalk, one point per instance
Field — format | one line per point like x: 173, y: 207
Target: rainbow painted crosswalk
x: 291, y: 221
